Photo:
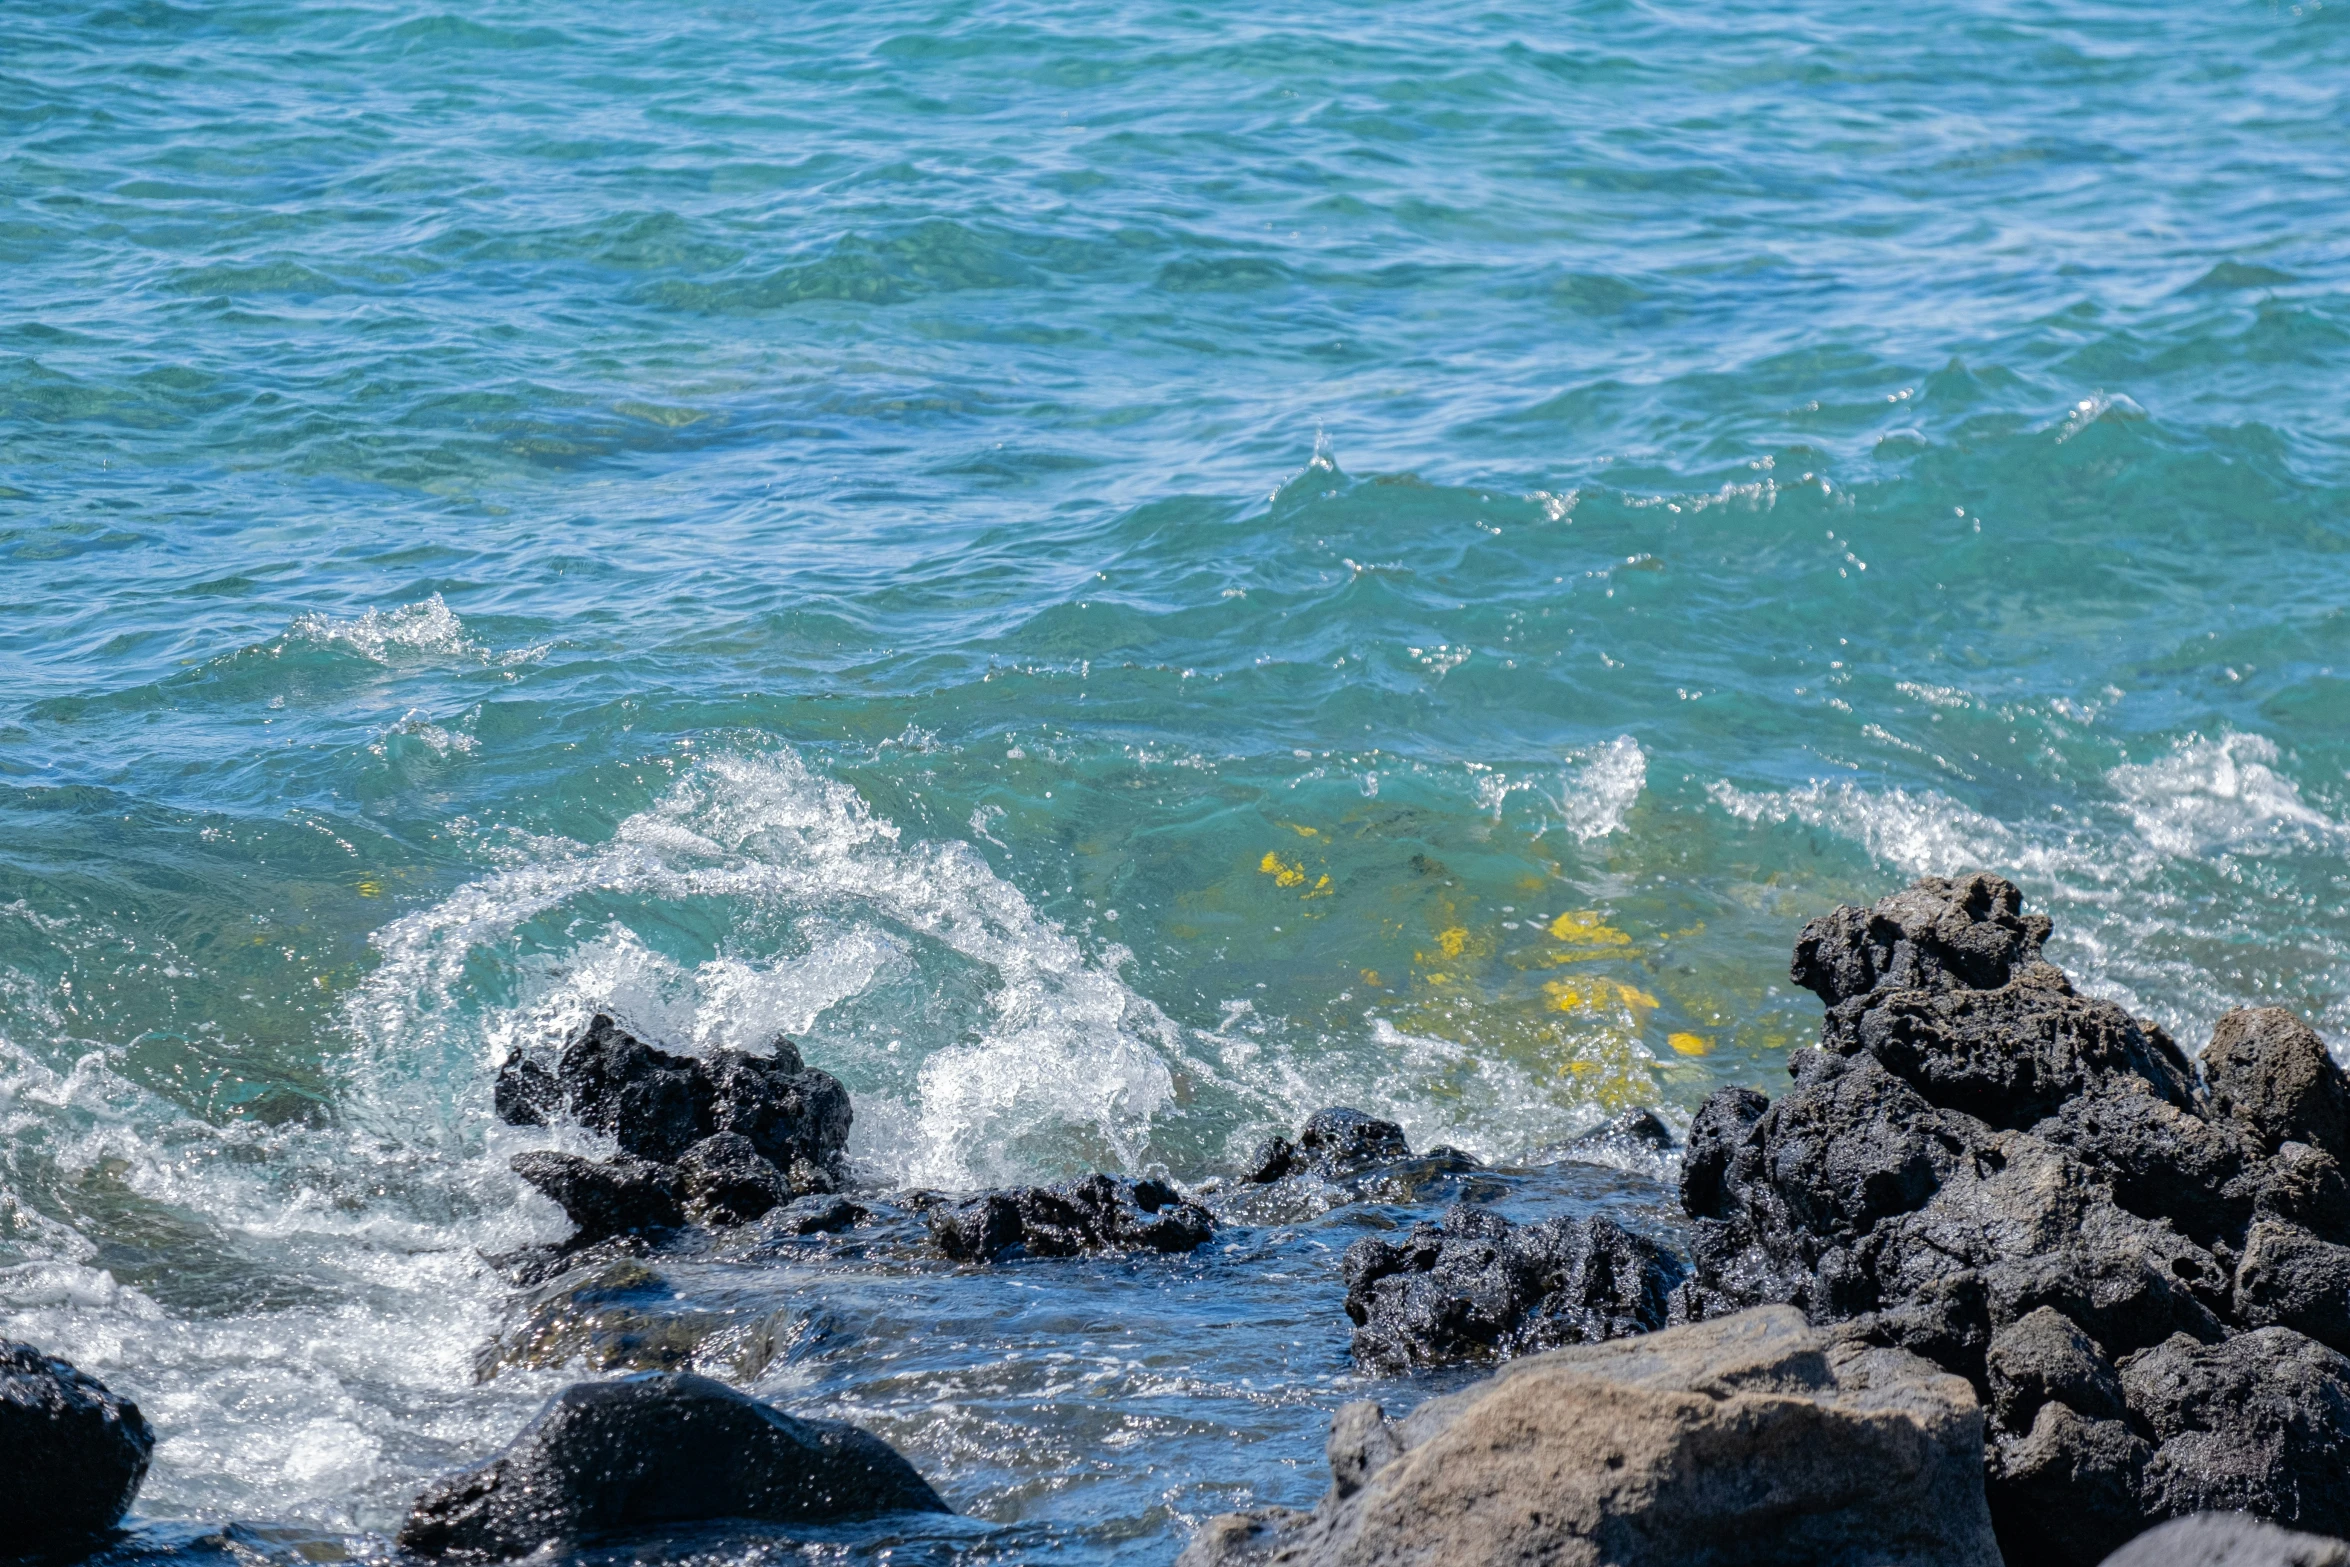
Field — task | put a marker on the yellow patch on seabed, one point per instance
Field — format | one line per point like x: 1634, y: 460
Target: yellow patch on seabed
x: 1587, y: 928
x: 371, y: 888
x: 1284, y: 872
x: 1452, y: 942
x: 1591, y: 993
x: 1689, y: 1044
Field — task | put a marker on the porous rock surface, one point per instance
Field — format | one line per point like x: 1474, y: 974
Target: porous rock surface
x: 72, y: 1453
x: 1751, y: 1440
x: 1337, y: 1143
x: 1474, y: 1286
x: 720, y: 1138
x: 2228, y: 1540
x: 654, y: 1449
x: 2144, y: 1270
x: 1099, y: 1213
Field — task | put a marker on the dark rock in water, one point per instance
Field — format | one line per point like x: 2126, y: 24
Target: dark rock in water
x: 1477, y: 1287
x: 2228, y: 1540
x: 1097, y: 1214
x: 726, y: 1181
x: 1748, y: 1442
x: 618, y: 1197
x: 816, y: 1215
x: 1944, y: 933
x: 2268, y: 1071
x: 527, y: 1094
x: 1633, y: 1129
x: 658, y: 1449
x: 72, y: 1454
x: 616, y: 1313
x: 2032, y: 1189
x: 657, y: 1105
x: 1332, y: 1143
x: 2257, y: 1424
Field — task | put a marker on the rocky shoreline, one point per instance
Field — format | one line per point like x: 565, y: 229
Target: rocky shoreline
x: 2002, y: 1275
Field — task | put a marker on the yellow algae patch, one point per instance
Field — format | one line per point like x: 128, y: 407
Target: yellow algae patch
x: 1285, y: 873
x: 1371, y: 978
x: 1302, y: 831
x: 1587, y: 928
x: 371, y: 888
x: 1453, y: 941
x: 1322, y: 888
x: 1589, y: 994
x: 1689, y: 1044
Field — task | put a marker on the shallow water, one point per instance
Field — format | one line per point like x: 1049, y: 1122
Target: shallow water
x: 1122, y: 577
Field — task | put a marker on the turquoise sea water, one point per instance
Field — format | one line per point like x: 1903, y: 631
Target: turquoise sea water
x: 1123, y: 574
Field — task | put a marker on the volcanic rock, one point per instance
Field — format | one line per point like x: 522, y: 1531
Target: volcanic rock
x: 621, y: 1196
x: 1751, y: 1440
x: 1099, y: 1213
x: 653, y: 1449
x: 72, y: 1453
x: 2268, y: 1070
x: 2257, y: 1424
x: 1477, y: 1287
x: 2228, y: 1540
x: 1332, y: 1143
x: 727, y: 1181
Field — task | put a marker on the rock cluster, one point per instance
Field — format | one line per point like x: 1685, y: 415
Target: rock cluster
x: 2146, y: 1273
x: 1099, y: 1213
x: 659, y: 1448
x: 720, y: 1139
x: 1339, y: 1143
x: 72, y: 1454
x: 1752, y: 1440
x: 1474, y: 1286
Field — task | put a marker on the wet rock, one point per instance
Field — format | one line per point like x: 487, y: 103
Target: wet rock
x: 2228, y: 1540
x: 616, y: 1313
x: 1944, y: 933
x: 1477, y: 1287
x: 657, y: 1106
x: 727, y: 1181
x: 1332, y: 1143
x: 1099, y: 1213
x: 2066, y: 1491
x: 816, y: 1215
x: 621, y: 1196
x: 2255, y: 1424
x: 658, y: 1449
x: 72, y: 1453
x: 2270, y: 1072
x: 1634, y: 1128
x: 2044, y: 1357
x: 1749, y: 1440
x: 1716, y: 1132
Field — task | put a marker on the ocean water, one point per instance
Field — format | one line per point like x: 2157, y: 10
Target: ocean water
x: 1122, y: 575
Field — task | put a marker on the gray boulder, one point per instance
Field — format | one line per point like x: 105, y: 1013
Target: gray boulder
x: 2271, y: 1073
x: 1749, y: 1440
x: 654, y: 1449
x: 2257, y: 1424
x: 72, y: 1453
x: 2228, y: 1540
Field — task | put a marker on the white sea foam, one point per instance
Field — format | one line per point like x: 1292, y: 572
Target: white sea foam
x: 2218, y: 796
x: 425, y: 629
x: 1604, y: 786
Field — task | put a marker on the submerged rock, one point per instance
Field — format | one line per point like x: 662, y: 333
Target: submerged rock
x: 1099, y: 1213
x: 1332, y: 1143
x: 1474, y: 1286
x: 658, y: 1449
x: 722, y: 1138
x: 1751, y: 1441
x: 2228, y: 1540
x: 2139, y: 1270
x: 72, y: 1453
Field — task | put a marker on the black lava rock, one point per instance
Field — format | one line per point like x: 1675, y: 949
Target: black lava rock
x: 1099, y: 1213
x: 653, y: 1449
x: 1944, y: 933
x: 1333, y: 1143
x: 2268, y: 1071
x: 621, y: 1196
x: 72, y: 1454
x: 2257, y: 1424
x: 1477, y: 1287
x: 726, y: 1181
x: 657, y: 1105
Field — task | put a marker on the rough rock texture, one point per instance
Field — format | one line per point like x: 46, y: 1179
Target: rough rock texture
x: 658, y: 1449
x: 1476, y: 1287
x: 1751, y: 1440
x: 1097, y: 1214
x: 72, y: 1453
x: 723, y: 1137
x: 1332, y: 1143
x: 2139, y: 1270
x: 2228, y: 1540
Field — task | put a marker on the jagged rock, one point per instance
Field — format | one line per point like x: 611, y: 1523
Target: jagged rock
x: 816, y: 1215
x: 1098, y: 1213
x: 2044, y: 1357
x: 2228, y: 1540
x: 2162, y: 1161
x: 656, y: 1105
x: 1477, y: 1287
x: 621, y: 1196
x: 1748, y: 1441
x: 1944, y: 933
x: 658, y: 1449
x: 1332, y: 1143
x: 1716, y: 1132
x: 2290, y: 1278
x: 726, y: 1181
x: 2270, y: 1072
x: 72, y: 1453
x: 2066, y: 1491
x: 1639, y: 1129
x: 2255, y: 1424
